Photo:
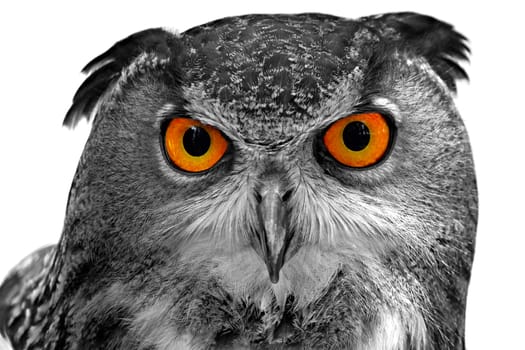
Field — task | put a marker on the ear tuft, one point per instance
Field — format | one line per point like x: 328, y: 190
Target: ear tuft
x: 437, y: 41
x: 105, y: 69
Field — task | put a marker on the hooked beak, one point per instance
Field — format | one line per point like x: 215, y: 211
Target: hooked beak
x: 273, y: 237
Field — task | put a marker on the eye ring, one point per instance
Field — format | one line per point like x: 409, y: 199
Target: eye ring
x: 360, y: 140
x: 192, y: 146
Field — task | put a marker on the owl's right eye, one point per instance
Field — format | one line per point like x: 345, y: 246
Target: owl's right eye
x: 192, y: 146
x: 359, y: 140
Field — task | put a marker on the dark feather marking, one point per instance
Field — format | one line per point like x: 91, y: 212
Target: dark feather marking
x: 16, y: 303
x: 106, y: 69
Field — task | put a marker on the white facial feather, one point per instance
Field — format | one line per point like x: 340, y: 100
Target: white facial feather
x: 391, y: 331
x: 5, y: 344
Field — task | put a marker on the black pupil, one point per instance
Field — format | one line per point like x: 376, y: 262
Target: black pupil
x: 356, y: 136
x: 196, y: 141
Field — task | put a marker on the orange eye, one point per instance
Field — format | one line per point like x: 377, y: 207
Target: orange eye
x: 359, y: 140
x: 193, y: 146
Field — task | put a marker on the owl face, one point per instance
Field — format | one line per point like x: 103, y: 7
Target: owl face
x: 276, y: 160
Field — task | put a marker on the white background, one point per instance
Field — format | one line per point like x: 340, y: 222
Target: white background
x: 44, y: 45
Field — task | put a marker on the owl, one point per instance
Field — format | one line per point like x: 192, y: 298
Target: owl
x: 262, y: 182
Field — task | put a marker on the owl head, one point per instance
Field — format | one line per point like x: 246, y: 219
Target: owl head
x: 306, y: 167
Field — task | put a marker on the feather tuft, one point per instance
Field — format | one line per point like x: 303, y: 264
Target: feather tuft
x: 437, y: 41
x: 105, y: 70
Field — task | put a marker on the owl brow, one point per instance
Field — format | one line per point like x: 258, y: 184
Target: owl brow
x: 166, y: 111
x: 170, y: 110
x: 379, y: 103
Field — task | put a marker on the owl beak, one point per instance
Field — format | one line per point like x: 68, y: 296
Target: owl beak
x: 273, y: 235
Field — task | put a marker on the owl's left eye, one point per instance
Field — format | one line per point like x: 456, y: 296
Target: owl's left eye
x: 359, y: 140
x: 192, y: 146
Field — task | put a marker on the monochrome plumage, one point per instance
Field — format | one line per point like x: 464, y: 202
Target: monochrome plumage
x: 277, y: 243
